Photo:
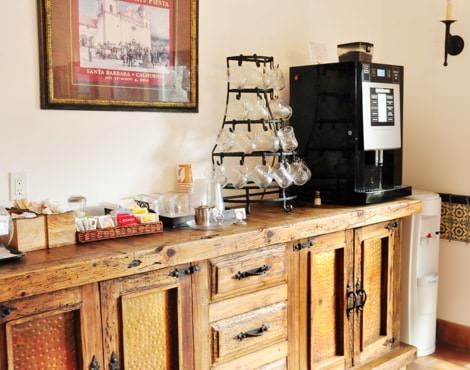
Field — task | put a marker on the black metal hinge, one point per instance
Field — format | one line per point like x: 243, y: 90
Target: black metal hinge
x: 390, y: 341
x: 94, y: 365
x: 307, y: 244
x: 183, y: 272
x: 114, y: 362
x: 392, y: 225
x: 5, y: 311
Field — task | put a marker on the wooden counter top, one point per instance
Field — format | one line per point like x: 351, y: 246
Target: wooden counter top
x: 54, y: 269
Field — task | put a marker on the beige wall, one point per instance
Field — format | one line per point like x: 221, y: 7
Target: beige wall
x: 437, y: 123
x: 108, y: 155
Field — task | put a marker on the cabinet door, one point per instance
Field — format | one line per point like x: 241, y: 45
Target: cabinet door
x: 60, y: 330
x: 326, y: 272
x: 377, y: 260
x: 147, y: 321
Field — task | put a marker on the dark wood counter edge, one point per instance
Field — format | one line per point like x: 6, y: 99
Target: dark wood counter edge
x: 75, y: 265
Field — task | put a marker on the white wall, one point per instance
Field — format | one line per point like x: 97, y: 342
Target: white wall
x: 108, y: 155
x: 437, y: 123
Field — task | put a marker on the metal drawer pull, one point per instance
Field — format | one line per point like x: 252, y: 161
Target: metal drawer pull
x: 254, y: 272
x: 258, y: 332
x: 6, y: 310
x: 351, y: 299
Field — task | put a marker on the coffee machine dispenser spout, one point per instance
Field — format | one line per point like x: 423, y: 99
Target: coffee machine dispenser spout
x: 379, y: 158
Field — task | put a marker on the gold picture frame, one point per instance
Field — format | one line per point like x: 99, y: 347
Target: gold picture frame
x: 119, y: 54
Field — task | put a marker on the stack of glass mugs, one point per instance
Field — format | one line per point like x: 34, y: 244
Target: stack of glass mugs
x: 274, y: 135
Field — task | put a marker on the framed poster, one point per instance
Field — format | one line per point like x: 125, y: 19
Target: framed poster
x: 119, y: 54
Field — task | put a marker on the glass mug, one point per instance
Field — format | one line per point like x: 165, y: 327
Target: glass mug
x: 267, y: 141
x: 236, y: 77
x: 254, y: 78
x: 300, y: 172
x: 257, y: 111
x: 282, y: 175
x: 261, y: 176
x: 244, y: 142
x: 236, y: 111
x: 288, y: 140
x: 237, y: 175
x: 277, y: 78
x: 279, y: 110
x: 217, y: 175
x: 225, y: 140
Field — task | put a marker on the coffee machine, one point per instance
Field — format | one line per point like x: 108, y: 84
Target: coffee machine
x: 348, y: 121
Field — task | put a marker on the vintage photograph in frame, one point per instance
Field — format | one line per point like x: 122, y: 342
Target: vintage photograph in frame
x: 119, y: 54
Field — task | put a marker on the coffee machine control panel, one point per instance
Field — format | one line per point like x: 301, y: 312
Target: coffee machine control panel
x: 381, y: 106
x: 381, y: 73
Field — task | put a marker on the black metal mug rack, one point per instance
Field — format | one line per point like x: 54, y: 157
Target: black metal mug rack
x: 251, y: 194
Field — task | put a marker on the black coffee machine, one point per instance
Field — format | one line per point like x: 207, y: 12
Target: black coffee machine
x: 348, y: 121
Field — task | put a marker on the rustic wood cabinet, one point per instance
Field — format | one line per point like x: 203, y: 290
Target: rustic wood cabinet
x: 147, y: 320
x: 57, y: 330
x: 314, y: 290
x: 376, y: 278
x: 326, y: 277
x: 349, y: 296
x: 242, y: 302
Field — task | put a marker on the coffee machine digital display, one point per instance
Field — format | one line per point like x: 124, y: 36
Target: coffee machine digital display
x: 348, y: 119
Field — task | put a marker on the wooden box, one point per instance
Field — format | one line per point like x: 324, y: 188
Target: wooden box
x: 60, y: 229
x: 29, y: 234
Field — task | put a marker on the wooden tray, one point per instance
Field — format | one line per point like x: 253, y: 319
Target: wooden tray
x: 119, y: 232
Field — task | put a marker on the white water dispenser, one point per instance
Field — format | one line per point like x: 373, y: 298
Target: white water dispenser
x: 420, y: 274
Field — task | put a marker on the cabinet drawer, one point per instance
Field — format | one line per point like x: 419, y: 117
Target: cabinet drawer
x: 277, y: 365
x: 273, y: 357
x: 246, y: 272
x: 237, y: 335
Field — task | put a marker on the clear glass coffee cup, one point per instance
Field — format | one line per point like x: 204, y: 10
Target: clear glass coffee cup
x: 288, y: 140
x: 267, y: 141
x: 237, y: 175
x: 282, y: 175
x: 261, y: 175
x: 300, y: 172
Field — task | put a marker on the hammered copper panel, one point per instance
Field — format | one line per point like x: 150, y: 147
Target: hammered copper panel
x: 323, y: 305
x: 45, y: 343
x: 146, y: 331
x: 371, y: 321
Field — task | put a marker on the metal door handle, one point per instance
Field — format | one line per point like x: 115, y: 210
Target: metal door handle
x: 351, y: 299
x: 361, y: 297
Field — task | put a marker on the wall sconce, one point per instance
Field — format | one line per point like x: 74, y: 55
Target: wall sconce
x: 453, y: 44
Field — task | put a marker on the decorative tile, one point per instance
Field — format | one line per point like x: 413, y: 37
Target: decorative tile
x: 455, y: 222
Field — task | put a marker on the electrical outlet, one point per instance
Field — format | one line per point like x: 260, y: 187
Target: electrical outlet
x: 18, y: 186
